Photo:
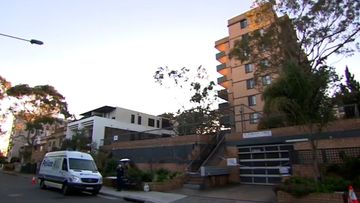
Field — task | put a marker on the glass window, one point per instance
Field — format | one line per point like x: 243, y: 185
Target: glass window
x: 151, y: 122
x: 64, y: 165
x: 82, y: 164
x: 132, y: 118
x: 250, y: 84
x: 264, y: 63
x: 139, y: 120
x: 266, y: 80
x: 243, y: 24
x: 254, y: 118
x: 249, y: 68
x: 252, y: 100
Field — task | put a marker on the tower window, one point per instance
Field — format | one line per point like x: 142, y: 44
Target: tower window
x: 243, y: 24
x: 252, y: 100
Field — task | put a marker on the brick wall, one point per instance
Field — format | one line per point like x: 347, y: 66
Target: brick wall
x: 172, y: 184
x: 284, y: 197
x: 330, y: 143
x: 303, y: 170
x: 232, y: 152
x: 168, y: 141
x: 338, y: 125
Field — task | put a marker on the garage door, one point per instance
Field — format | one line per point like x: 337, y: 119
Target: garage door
x: 264, y: 164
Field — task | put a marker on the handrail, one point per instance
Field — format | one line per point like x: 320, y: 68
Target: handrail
x: 215, y: 149
x: 209, y: 149
x: 198, y: 157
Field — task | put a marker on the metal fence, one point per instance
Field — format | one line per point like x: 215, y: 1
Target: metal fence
x: 325, y: 156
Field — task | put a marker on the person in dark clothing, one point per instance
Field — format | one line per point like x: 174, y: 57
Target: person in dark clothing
x: 120, y: 177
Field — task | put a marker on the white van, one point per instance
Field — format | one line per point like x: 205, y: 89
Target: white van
x: 70, y: 170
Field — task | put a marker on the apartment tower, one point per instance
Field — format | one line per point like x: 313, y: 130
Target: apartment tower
x: 244, y: 104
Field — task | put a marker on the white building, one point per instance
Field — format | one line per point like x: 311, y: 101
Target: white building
x: 108, y: 124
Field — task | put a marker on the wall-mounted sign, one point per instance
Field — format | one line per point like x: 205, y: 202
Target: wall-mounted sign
x: 231, y: 162
x: 266, y: 133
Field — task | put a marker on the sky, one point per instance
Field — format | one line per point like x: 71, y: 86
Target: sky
x: 98, y: 53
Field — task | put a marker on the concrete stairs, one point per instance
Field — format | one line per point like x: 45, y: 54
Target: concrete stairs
x: 195, y: 181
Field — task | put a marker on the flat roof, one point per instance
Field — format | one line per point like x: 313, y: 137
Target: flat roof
x: 103, y: 109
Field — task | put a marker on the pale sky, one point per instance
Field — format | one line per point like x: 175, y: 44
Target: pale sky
x: 105, y: 52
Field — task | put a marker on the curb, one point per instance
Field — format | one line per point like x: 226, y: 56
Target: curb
x: 129, y: 198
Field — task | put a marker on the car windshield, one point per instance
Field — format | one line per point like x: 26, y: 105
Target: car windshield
x: 82, y: 164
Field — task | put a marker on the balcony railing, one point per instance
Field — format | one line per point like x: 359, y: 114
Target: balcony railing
x: 221, y: 79
x: 227, y: 120
x: 223, y: 94
x: 221, y: 67
x: 224, y: 106
x: 220, y: 55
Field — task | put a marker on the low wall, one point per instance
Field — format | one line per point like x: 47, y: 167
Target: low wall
x: 284, y: 197
x: 172, y: 184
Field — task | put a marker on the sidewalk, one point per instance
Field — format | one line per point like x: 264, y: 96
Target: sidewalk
x: 233, y: 193
x: 151, y: 196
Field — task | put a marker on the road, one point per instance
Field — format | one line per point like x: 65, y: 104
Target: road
x: 19, y: 189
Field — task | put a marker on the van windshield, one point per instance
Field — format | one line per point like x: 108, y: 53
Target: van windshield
x: 82, y: 164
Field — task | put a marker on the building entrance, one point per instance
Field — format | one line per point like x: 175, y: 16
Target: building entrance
x: 264, y: 164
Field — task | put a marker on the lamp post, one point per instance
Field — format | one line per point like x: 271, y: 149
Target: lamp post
x: 32, y: 41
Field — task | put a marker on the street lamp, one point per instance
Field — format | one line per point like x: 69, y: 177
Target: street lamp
x: 32, y: 41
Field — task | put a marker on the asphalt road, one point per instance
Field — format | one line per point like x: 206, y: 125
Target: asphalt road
x: 16, y: 189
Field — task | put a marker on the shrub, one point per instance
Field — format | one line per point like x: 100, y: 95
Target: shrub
x: 134, y: 174
x: 110, y: 168
x: 147, y: 176
x: 14, y: 159
x: 298, y: 186
x: 331, y: 184
x: 301, y: 186
x: 349, y: 169
x: 162, y: 174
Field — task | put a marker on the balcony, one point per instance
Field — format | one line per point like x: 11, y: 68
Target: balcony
x: 223, y: 69
x: 223, y: 81
x: 220, y: 67
x: 224, y: 106
x: 220, y: 55
x: 227, y: 121
x: 223, y: 94
x: 222, y: 44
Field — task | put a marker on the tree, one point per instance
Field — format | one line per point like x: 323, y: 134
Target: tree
x: 199, y: 118
x: 307, y: 33
x: 349, y: 95
x: 302, y: 98
x: 78, y: 142
x: 35, y: 107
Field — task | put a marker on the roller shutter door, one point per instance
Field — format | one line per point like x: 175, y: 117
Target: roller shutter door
x: 264, y: 164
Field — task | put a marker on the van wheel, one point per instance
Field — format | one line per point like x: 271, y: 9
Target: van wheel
x: 65, y: 189
x: 42, y: 184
